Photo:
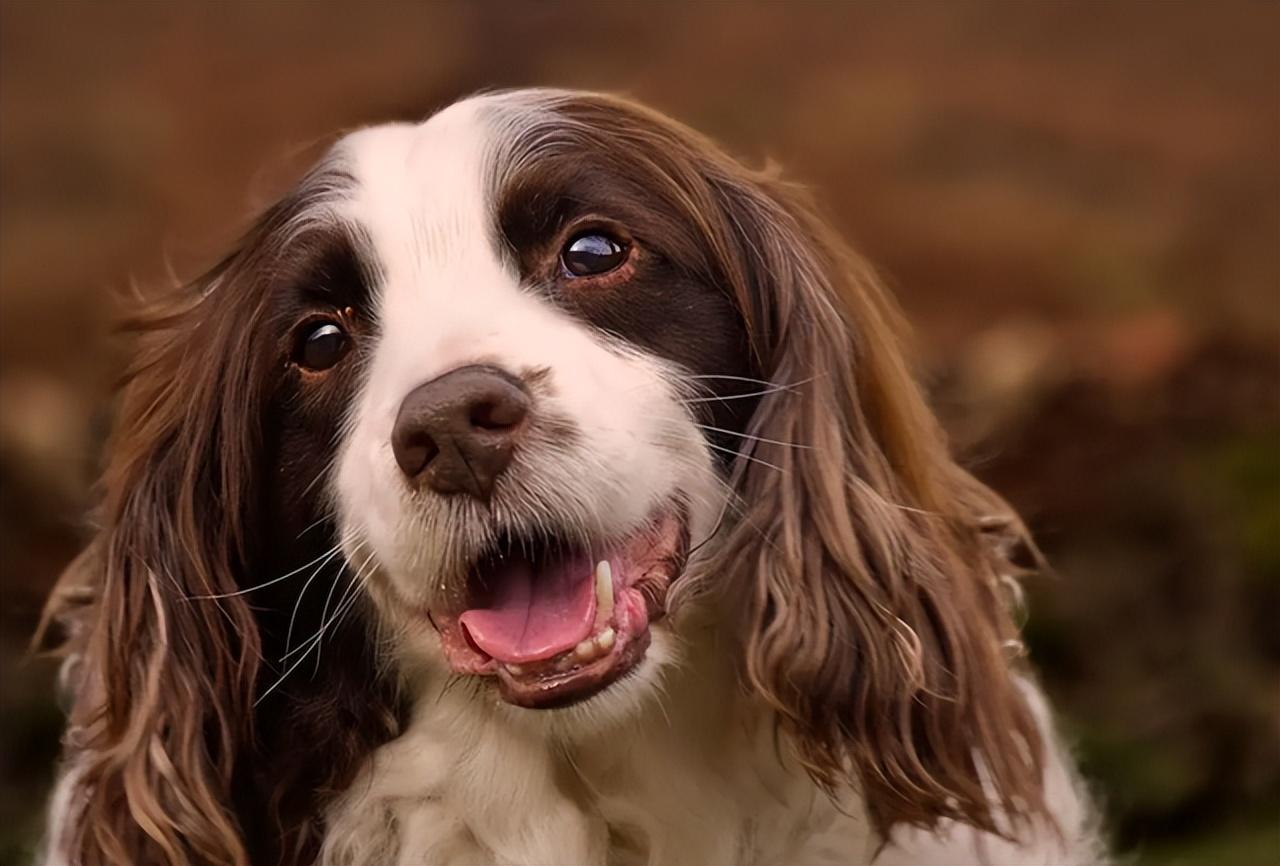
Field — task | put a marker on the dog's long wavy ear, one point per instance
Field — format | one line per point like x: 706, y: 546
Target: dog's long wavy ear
x: 876, y: 618
x: 68, y: 613
x: 169, y: 654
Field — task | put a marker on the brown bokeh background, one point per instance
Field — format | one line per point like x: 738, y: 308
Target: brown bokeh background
x: 1078, y: 205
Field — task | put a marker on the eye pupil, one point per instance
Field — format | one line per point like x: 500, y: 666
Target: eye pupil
x: 323, y: 347
x: 592, y: 253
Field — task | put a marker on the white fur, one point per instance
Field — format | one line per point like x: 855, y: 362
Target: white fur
x: 63, y: 806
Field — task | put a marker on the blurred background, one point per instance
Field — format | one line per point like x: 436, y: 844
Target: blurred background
x: 1078, y: 205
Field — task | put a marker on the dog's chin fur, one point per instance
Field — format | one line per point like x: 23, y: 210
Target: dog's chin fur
x: 672, y: 765
x: 834, y: 676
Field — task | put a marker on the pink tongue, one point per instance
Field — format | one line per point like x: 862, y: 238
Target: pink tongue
x: 534, y: 616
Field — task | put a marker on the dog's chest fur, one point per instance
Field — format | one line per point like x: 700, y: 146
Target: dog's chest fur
x: 697, y: 780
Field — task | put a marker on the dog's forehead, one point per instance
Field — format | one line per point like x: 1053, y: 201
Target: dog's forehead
x: 417, y: 182
x: 427, y: 193
x: 452, y: 162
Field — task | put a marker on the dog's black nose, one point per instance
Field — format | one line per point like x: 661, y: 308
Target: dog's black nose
x: 456, y: 433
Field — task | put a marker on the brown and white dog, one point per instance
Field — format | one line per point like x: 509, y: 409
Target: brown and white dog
x: 536, y: 484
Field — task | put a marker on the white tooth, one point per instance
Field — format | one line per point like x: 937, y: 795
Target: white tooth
x: 514, y: 670
x: 604, y: 640
x: 604, y: 591
x: 586, y: 650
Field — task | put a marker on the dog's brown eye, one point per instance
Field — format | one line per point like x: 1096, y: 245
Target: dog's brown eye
x: 323, y: 346
x: 592, y: 253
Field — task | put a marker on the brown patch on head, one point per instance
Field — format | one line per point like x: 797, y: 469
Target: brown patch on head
x: 873, y: 618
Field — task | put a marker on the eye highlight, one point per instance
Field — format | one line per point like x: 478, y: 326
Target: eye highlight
x: 322, y: 345
x: 592, y: 253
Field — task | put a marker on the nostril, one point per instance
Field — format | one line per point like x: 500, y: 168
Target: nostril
x: 414, y: 453
x: 497, y: 414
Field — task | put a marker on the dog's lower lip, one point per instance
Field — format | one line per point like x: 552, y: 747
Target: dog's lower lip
x: 562, y: 689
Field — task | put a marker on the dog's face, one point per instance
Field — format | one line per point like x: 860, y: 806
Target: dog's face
x: 549, y: 377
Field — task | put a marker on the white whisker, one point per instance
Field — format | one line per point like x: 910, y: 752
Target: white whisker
x: 745, y: 456
x: 754, y: 438
x: 309, y: 644
x: 749, y: 394
x: 763, y: 382
x: 313, y: 525
x: 298, y: 602
x: 319, y: 475
x: 328, y: 553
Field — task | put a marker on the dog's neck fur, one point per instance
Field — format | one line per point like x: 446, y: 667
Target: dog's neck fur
x: 694, y: 777
x: 697, y: 775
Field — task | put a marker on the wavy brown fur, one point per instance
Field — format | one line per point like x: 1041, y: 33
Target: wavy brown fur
x: 874, y: 603
x: 164, y: 734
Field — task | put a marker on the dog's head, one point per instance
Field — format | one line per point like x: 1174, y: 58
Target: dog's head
x: 554, y: 377
x: 497, y: 396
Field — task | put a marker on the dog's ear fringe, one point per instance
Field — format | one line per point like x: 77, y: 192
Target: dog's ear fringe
x: 164, y: 736
x: 878, y: 576
x: 163, y: 683
x: 63, y: 619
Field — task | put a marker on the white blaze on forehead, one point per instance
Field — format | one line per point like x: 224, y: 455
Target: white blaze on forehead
x: 420, y: 187
x: 421, y: 197
x: 425, y: 197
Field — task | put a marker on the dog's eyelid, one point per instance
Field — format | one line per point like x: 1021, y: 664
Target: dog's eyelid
x: 593, y: 221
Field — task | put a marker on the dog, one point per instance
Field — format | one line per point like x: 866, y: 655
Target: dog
x: 538, y: 484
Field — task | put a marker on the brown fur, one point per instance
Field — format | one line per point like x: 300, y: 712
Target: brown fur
x: 876, y: 622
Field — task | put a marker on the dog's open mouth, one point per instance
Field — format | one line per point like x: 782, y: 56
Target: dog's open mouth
x: 557, y: 623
